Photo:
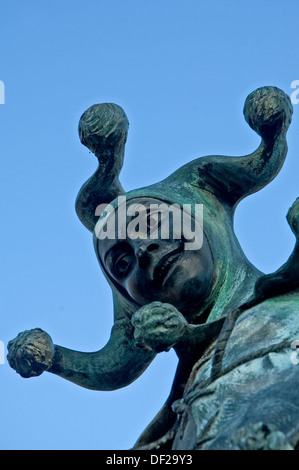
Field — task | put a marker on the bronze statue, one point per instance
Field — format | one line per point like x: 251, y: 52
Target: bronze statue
x: 229, y: 324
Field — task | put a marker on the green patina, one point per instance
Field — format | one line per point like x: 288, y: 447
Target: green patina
x: 238, y: 319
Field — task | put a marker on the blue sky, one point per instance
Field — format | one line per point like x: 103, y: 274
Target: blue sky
x: 181, y: 70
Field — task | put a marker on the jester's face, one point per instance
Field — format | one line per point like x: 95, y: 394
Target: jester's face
x: 150, y: 258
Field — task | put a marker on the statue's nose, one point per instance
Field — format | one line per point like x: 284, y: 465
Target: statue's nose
x: 144, y: 252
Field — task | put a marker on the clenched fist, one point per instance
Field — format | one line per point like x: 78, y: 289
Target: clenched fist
x: 158, y: 326
x: 31, y: 352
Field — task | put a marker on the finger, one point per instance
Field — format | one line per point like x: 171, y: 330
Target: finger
x: 136, y: 320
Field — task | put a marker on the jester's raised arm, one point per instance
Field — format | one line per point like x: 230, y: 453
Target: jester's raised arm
x: 103, y: 129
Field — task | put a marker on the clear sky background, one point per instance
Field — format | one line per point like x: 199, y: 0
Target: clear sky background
x: 181, y: 70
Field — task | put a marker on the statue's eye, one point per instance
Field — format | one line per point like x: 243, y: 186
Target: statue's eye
x: 122, y: 265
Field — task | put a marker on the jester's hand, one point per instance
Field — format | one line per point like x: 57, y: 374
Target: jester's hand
x: 31, y: 352
x: 158, y: 326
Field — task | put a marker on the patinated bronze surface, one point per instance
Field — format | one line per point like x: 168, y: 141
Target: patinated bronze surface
x: 231, y: 326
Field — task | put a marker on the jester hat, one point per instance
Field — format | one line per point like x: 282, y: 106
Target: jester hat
x: 217, y: 182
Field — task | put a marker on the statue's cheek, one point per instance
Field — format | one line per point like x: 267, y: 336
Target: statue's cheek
x: 137, y: 285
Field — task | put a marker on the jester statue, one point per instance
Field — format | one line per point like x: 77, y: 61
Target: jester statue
x: 233, y: 328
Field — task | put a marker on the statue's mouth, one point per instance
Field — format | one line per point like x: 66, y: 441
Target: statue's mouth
x: 164, y: 268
